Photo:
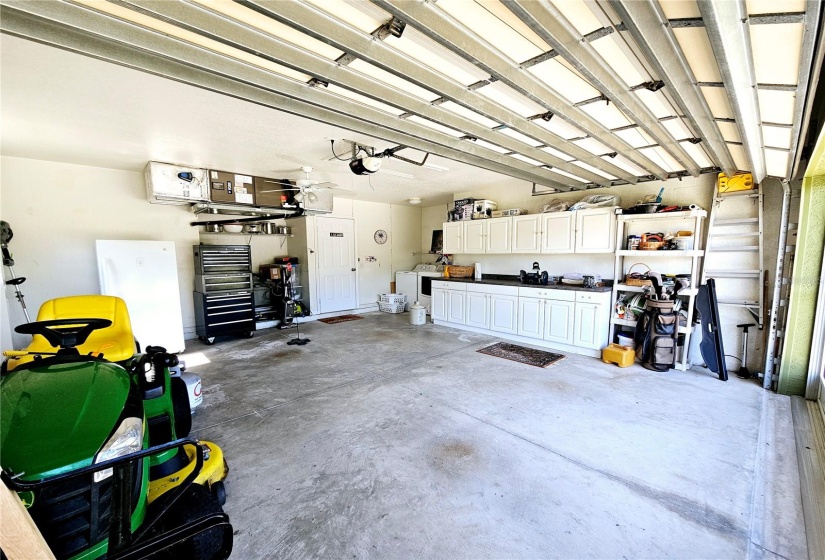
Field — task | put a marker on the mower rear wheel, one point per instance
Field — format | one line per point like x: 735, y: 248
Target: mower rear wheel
x: 210, y: 340
x: 196, y: 502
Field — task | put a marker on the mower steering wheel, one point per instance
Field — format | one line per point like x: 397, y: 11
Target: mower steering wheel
x: 64, y: 333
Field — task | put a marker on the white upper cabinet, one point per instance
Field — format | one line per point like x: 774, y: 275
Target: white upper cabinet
x: 453, y: 238
x: 596, y: 230
x: 475, y: 236
x: 499, y: 235
x: 526, y: 233
x: 558, y: 232
x: 582, y: 231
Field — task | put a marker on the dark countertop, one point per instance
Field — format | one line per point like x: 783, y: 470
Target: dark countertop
x: 502, y: 280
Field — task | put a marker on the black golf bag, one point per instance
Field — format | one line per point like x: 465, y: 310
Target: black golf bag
x: 655, y: 335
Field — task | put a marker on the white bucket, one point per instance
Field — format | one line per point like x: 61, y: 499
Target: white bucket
x: 418, y: 314
x: 627, y: 340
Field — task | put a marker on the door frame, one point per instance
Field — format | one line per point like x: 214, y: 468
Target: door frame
x: 318, y: 222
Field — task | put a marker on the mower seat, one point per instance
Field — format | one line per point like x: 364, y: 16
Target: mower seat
x: 116, y: 342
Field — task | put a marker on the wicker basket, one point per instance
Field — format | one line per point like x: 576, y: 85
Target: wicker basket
x: 461, y: 271
x: 651, y: 245
x: 632, y: 279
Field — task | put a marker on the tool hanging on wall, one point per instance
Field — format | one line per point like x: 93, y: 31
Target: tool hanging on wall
x: 5, y: 236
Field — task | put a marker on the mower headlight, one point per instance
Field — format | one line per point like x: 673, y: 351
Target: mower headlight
x: 128, y: 438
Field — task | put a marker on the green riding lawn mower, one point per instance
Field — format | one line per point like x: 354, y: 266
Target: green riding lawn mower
x: 94, y: 440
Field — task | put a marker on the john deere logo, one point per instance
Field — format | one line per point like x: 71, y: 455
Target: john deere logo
x: 27, y: 498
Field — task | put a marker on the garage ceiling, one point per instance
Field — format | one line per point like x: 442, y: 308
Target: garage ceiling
x: 569, y: 94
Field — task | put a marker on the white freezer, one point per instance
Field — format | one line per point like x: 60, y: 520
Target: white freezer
x: 145, y: 275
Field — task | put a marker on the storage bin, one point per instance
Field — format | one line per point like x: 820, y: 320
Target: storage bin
x: 684, y: 243
x: 391, y: 307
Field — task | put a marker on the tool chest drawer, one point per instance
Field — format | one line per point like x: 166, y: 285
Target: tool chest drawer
x: 224, y: 313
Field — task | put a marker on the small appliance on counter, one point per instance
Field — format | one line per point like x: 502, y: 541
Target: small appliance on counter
x: 536, y: 276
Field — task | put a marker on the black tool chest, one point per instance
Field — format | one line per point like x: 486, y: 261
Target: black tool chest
x: 223, y: 297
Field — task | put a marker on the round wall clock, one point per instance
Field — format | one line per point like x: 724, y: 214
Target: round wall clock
x: 380, y: 236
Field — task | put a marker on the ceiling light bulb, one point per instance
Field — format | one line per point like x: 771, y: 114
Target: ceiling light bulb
x: 299, y: 197
x: 414, y: 200
x: 312, y: 197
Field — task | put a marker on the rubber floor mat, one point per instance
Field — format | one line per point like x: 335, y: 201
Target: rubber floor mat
x: 340, y: 319
x: 516, y: 353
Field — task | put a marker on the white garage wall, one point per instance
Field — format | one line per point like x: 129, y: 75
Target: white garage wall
x: 406, y: 227
x: 58, y: 210
x: 373, y: 277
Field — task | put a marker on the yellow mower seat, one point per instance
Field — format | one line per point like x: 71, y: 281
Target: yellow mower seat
x: 116, y: 342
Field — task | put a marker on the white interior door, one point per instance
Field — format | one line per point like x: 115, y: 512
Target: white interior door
x: 337, y: 274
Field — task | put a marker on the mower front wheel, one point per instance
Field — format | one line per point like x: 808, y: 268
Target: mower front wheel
x: 219, y: 491
x: 195, y: 503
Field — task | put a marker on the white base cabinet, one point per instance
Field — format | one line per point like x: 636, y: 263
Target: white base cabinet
x: 492, y: 307
x: 559, y: 321
x: 438, y: 304
x: 564, y: 319
x: 455, y: 306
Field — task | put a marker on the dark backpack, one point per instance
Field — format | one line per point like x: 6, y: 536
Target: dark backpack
x: 655, y: 335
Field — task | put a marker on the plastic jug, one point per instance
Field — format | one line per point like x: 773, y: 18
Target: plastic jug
x: 418, y: 314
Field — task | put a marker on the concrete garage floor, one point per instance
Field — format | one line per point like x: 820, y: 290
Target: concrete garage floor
x: 383, y: 440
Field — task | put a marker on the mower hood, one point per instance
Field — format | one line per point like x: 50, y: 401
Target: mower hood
x: 54, y: 418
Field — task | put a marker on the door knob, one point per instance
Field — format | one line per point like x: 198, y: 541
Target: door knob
x: 353, y: 269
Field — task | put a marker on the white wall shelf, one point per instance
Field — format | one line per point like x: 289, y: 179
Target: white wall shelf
x: 673, y: 221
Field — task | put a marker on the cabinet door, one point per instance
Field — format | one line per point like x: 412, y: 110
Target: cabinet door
x: 530, y: 317
x: 438, y: 305
x: 558, y: 232
x: 455, y: 307
x: 499, y: 234
x: 596, y: 230
x: 478, y: 312
x: 503, y: 313
x: 453, y: 238
x: 475, y: 236
x: 526, y: 233
x: 558, y: 321
x: 589, y: 325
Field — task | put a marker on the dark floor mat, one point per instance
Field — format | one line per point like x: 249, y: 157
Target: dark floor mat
x: 516, y: 353
x: 340, y: 319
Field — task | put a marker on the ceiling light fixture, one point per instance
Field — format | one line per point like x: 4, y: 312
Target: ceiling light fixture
x: 414, y: 200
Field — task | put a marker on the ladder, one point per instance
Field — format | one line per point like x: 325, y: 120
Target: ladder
x: 733, y: 255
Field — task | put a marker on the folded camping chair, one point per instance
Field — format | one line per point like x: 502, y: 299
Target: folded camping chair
x: 116, y: 342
